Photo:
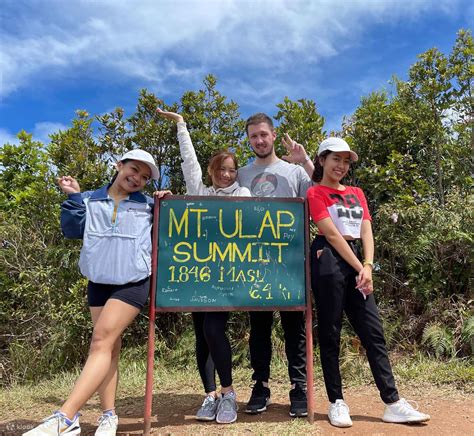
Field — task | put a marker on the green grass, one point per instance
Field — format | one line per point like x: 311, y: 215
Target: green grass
x: 409, y: 370
x: 178, y: 392
x: 457, y: 373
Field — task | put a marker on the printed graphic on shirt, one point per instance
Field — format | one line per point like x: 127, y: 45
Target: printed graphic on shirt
x: 346, y: 213
x: 264, y: 185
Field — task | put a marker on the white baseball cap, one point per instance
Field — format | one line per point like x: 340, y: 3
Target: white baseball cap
x: 337, y: 144
x: 145, y: 157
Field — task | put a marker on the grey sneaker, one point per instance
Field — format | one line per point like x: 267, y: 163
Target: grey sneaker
x: 208, y: 410
x: 227, y: 409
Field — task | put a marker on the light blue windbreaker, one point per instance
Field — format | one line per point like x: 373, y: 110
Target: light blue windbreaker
x: 116, y: 252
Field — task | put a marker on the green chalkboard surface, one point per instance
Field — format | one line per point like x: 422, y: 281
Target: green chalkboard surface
x: 218, y: 253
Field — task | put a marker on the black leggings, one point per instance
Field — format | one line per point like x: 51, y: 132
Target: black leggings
x: 213, y: 352
x: 333, y: 283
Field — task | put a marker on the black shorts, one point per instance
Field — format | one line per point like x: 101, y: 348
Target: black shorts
x: 134, y: 294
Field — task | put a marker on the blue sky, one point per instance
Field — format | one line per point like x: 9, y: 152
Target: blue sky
x: 57, y: 56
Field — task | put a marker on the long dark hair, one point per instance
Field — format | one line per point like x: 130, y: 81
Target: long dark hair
x: 318, y: 169
x: 116, y: 172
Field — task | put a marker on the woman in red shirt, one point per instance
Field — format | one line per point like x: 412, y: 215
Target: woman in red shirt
x: 342, y: 282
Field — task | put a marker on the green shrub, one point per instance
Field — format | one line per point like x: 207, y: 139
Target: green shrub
x: 439, y: 339
x: 427, y: 252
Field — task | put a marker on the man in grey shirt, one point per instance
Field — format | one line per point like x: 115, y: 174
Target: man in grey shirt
x: 269, y: 176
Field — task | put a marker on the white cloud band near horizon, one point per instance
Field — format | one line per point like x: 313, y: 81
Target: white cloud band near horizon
x: 132, y: 39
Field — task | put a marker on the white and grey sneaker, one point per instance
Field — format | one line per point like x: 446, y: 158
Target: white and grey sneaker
x: 208, y: 410
x: 55, y: 425
x: 227, y: 409
x: 402, y: 412
x: 339, y: 414
x: 108, y: 424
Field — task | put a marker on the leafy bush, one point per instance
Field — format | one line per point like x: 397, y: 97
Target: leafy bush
x: 427, y: 247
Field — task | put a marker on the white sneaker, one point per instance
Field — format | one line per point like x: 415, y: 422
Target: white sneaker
x: 403, y: 412
x: 339, y: 414
x: 107, y: 425
x: 56, y: 425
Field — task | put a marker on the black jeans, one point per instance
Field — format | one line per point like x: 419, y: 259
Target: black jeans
x: 293, y: 324
x: 333, y: 283
x: 213, y: 351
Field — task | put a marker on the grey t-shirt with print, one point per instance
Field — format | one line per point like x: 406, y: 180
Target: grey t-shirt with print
x: 280, y: 179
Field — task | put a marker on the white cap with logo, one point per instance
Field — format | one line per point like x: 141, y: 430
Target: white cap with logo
x: 145, y: 157
x: 337, y: 144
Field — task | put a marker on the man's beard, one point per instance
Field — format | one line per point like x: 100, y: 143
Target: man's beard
x: 263, y: 155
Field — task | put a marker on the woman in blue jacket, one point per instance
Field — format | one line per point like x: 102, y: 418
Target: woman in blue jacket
x: 115, y: 224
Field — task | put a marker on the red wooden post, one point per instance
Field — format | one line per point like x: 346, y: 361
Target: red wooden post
x: 309, y: 362
x: 151, y: 326
x: 149, y: 373
x: 309, y: 322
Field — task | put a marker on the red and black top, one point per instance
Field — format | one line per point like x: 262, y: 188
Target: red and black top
x: 347, y: 208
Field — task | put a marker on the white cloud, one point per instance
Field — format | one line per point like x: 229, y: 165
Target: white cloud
x: 40, y: 132
x: 7, y: 137
x: 137, y: 38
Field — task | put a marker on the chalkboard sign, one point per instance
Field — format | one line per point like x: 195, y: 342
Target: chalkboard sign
x: 217, y: 253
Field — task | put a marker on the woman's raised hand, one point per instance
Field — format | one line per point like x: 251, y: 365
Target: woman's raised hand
x: 68, y: 185
x: 173, y: 116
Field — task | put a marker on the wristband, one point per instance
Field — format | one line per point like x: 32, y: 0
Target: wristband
x: 368, y: 262
x: 306, y: 160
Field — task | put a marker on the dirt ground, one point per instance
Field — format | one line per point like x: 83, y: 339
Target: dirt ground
x: 452, y: 413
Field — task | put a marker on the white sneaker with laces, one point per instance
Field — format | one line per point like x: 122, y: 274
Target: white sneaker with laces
x: 56, y: 425
x: 339, y: 414
x: 108, y: 424
x: 403, y: 412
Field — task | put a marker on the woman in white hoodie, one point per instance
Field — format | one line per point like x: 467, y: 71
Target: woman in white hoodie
x: 213, y: 351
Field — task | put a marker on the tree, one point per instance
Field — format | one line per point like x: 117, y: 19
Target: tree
x: 114, y: 133
x: 415, y: 167
x: 421, y: 125
x: 462, y: 109
x: 39, y: 305
x: 301, y: 120
x: 148, y: 132
x: 214, y: 124
x: 75, y: 152
x: 460, y: 63
x: 430, y: 81
x: 389, y: 141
